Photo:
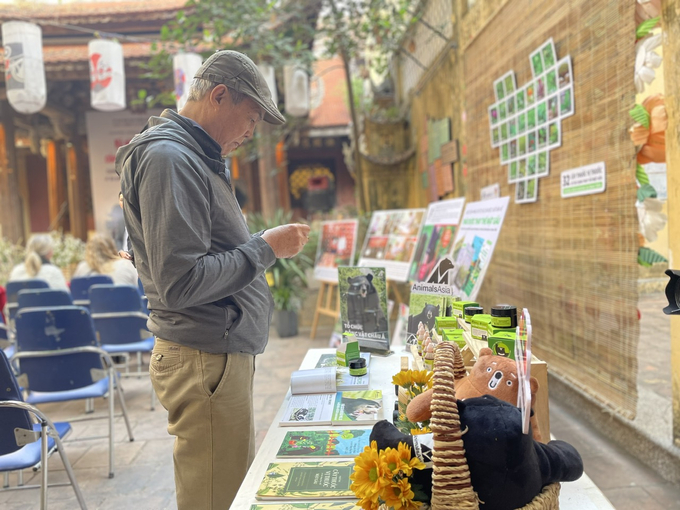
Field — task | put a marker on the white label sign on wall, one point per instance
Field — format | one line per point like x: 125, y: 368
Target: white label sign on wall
x: 106, y: 132
x: 585, y: 180
x: 489, y: 192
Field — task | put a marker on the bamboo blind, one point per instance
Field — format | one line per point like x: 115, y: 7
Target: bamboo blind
x: 571, y: 262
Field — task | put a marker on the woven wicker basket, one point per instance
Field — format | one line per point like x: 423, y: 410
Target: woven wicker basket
x: 451, y: 485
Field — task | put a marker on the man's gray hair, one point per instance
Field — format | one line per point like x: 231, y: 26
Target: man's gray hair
x: 200, y: 87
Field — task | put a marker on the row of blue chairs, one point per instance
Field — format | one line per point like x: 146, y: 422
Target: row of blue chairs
x: 63, y: 352
x: 80, y: 287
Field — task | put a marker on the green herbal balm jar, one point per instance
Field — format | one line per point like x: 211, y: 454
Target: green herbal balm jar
x: 504, y: 316
x: 357, y: 367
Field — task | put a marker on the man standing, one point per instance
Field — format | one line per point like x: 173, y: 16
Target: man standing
x: 203, y: 273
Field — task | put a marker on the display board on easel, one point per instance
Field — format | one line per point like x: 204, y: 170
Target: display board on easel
x: 436, y: 237
x: 337, y: 245
x: 391, y: 241
x: 475, y: 242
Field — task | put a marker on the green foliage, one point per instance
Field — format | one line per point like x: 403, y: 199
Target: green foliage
x: 641, y: 175
x: 640, y: 115
x: 10, y: 255
x: 288, y: 280
x: 645, y: 191
x: 375, y: 28
x: 68, y: 250
x: 646, y: 27
x: 647, y: 257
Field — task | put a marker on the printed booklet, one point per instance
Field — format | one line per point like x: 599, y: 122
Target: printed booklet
x: 329, y: 505
x: 341, y: 408
x: 307, y: 480
x: 324, y: 443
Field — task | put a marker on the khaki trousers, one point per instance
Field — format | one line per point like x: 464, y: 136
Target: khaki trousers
x: 209, y: 398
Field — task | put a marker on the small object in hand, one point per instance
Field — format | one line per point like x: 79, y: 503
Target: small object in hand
x: 357, y: 367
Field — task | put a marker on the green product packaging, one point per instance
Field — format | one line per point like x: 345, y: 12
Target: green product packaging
x: 453, y: 335
x: 459, y: 306
x: 445, y: 322
x: 503, y: 344
x: 492, y: 330
x: 347, y: 352
x: 479, y: 326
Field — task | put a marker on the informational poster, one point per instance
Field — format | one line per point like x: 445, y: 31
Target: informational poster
x: 363, y: 305
x: 337, y: 244
x: 475, y: 243
x: 391, y: 241
x: 585, y: 180
x: 106, y: 132
x: 436, y: 236
x: 525, y: 122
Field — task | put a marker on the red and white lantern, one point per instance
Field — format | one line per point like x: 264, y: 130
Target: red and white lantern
x: 24, y: 69
x: 107, y: 75
x: 296, y: 82
x: 185, y: 66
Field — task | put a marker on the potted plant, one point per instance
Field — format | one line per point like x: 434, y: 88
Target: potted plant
x: 287, y: 278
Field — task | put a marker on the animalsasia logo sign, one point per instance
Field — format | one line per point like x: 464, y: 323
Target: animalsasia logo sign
x: 526, y: 122
x: 100, y: 72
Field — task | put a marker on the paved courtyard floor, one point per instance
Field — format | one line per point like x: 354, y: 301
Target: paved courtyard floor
x: 144, y: 472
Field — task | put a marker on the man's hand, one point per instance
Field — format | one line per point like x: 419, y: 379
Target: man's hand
x: 287, y: 240
x: 124, y: 255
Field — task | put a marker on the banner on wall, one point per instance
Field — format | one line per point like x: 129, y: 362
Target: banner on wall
x: 475, y: 243
x: 337, y: 244
x: 436, y: 237
x: 106, y: 132
x: 391, y: 241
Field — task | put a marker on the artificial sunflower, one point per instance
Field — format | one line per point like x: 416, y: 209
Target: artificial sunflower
x: 422, y: 378
x: 402, y: 379
x: 408, y: 463
x: 399, y: 496
x: 369, y: 477
x: 424, y: 430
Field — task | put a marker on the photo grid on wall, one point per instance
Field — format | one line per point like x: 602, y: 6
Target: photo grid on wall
x: 526, y: 122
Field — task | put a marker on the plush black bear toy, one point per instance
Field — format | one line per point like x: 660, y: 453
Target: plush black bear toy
x: 507, y: 468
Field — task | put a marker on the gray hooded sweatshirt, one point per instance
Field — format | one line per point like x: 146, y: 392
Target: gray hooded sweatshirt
x: 202, y: 270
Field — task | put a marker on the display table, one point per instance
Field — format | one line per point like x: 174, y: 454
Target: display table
x: 580, y: 495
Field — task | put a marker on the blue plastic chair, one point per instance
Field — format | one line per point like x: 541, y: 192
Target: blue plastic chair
x: 121, y: 324
x: 37, y: 298
x: 5, y: 344
x: 114, y: 298
x: 80, y: 287
x: 25, y: 444
x: 61, y: 361
x: 13, y: 289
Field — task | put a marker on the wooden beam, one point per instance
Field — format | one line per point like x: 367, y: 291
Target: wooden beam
x: 671, y: 53
x: 11, y: 205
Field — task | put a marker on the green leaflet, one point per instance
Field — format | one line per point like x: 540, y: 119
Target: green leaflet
x: 646, y: 27
x: 641, y: 175
x: 647, y: 257
x: 645, y: 191
x: 640, y: 115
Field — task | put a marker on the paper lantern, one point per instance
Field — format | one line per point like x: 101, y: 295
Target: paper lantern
x: 24, y: 69
x: 107, y: 75
x: 185, y: 66
x: 296, y: 83
x: 269, y: 77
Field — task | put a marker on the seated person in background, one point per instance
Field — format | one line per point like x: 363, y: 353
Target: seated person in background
x: 37, y: 263
x: 101, y: 257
